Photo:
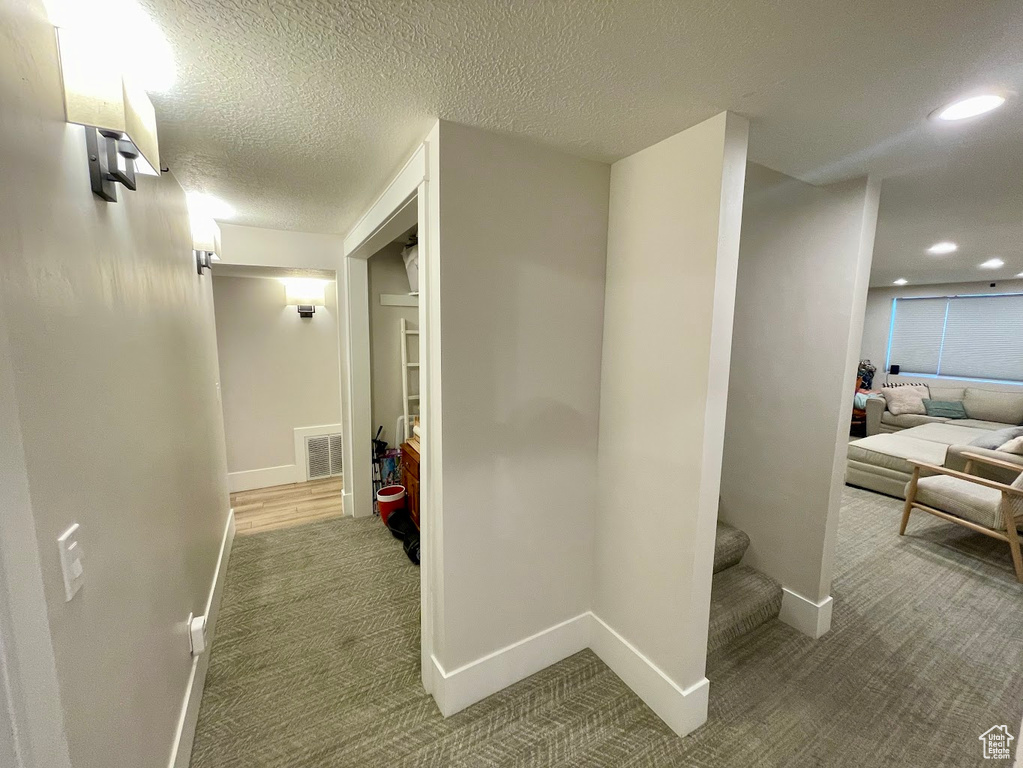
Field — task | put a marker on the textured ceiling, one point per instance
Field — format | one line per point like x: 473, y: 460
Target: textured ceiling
x: 298, y: 113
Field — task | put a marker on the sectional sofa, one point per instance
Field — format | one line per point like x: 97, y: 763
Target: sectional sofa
x: 881, y: 461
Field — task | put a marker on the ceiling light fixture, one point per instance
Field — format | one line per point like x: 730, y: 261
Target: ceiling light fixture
x: 901, y: 281
x: 969, y: 107
x: 945, y: 246
x: 992, y: 264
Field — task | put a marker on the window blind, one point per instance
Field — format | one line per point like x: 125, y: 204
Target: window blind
x: 974, y: 337
x: 916, y: 334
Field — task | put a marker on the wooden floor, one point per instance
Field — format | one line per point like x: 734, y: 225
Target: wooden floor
x: 283, y: 506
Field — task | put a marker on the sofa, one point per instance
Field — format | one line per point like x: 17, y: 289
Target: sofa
x: 985, y: 409
x: 883, y: 461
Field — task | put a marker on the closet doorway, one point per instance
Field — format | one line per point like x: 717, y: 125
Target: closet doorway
x: 403, y: 210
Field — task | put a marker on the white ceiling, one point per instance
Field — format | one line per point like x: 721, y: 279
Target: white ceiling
x: 298, y: 113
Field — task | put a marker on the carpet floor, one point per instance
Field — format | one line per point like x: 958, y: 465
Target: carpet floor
x: 316, y: 665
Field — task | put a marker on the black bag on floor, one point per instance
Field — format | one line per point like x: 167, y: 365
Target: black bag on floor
x: 411, y: 544
x: 399, y: 523
x: 401, y: 527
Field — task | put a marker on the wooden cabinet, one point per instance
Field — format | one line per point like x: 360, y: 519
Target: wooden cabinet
x: 410, y: 479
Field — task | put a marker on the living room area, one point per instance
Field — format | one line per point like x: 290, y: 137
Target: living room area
x: 938, y: 415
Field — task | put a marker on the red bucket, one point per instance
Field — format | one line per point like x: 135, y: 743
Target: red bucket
x: 390, y: 499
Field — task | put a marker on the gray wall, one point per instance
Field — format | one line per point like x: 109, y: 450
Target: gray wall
x: 804, y: 261
x: 113, y: 358
x: 278, y: 371
x: 522, y: 245
x: 878, y: 319
x: 387, y: 275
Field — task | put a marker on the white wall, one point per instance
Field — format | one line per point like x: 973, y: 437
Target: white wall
x: 878, y: 318
x: 804, y: 264
x: 113, y: 357
x: 278, y: 371
x: 257, y: 246
x: 521, y: 249
x: 387, y: 275
x: 672, y: 252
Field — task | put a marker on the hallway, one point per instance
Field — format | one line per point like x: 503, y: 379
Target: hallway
x: 316, y: 663
x: 282, y: 506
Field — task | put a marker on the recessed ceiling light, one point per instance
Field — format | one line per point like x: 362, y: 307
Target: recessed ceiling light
x: 992, y: 264
x: 943, y: 247
x: 970, y: 107
x: 902, y: 281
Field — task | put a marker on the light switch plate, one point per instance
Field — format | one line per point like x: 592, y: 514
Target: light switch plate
x: 71, y: 561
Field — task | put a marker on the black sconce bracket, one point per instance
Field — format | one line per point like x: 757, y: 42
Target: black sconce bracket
x: 111, y: 161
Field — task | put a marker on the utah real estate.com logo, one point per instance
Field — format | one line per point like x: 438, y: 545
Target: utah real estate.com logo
x: 996, y: 742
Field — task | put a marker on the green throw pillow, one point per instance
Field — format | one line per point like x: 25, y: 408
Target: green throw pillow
x: 947, y: 409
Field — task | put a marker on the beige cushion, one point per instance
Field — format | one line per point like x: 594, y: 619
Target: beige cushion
x: 949, y: 433
x: 902, y: 400
x: 948, y: 394
x: 1013, y: 446
x: 907, y: 420
x: 970, y: 501
x: 891, y: 451
x: 987, y: 405
x: 978, y: 424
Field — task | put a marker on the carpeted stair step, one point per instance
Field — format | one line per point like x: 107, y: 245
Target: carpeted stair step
x: 729, y: 546
x: 741, y: 599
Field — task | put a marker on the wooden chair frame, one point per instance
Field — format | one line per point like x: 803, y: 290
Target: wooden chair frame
x: 1010, y: 535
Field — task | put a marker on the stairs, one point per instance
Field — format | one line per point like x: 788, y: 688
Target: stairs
x: 741, y: 599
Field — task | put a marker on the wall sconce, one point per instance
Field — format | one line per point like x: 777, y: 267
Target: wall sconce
x: 205, y: 240
x: 305, y: 293
x: 119, y: 119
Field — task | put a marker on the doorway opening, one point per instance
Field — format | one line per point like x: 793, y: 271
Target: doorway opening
x: 277, y: 347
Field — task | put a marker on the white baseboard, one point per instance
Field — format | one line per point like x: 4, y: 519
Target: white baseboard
x: 347, y: 503
x: 454, y: 691
x: 683, y: 709
x: 810, y: 618
x: 264, y: 478
x: 181, y: 750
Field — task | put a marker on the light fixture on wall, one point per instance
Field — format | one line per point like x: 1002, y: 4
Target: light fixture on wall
x: 305, y: 293
x: 119, y: 118
x: 205, y: 231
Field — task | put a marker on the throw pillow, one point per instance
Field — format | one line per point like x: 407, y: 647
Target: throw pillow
x: 947, y: 409
x: 1013, y: 446
x: 902, y: 400
x: 991, y: 440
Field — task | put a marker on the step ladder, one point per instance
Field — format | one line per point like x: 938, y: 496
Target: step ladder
x: 409, y: 399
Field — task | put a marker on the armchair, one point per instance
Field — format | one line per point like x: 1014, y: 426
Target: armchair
x: 986, y: 506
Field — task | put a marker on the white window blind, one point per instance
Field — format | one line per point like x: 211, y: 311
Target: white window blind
x: 973, y: 337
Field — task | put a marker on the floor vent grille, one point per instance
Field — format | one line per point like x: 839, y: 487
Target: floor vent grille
x: 323, y: 456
